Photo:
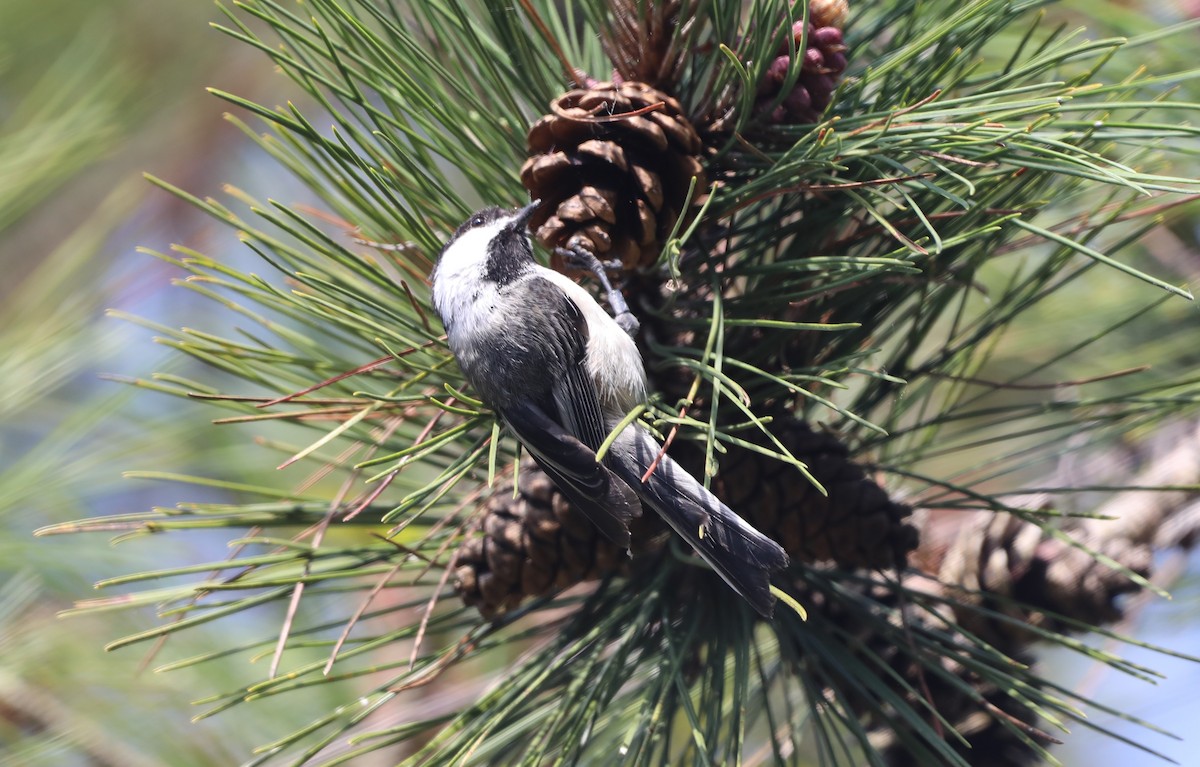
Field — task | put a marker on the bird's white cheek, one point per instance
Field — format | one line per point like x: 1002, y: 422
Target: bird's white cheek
x: 458, y: 281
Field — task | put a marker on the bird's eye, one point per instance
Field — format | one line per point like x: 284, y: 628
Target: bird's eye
x: 477, y: 221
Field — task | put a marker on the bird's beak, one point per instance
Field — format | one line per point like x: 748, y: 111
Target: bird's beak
x: 524, y: 213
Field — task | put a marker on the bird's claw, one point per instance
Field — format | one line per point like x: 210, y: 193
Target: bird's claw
x: 628, y: 323
x: 586, y: 261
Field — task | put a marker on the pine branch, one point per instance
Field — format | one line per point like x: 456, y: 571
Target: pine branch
x: 858, y: 272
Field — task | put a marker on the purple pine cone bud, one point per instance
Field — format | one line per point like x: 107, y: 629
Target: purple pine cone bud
x: 835, y: 63
x: 814, y: 60
x: 777, y: 72
x: 798, y: 32
x: 828, y: 38
x: 798, y: 105
x: 820, y: 88
x: 775, y: 116
x: 821, y: 66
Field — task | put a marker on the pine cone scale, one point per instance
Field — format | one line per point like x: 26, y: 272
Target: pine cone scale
x: 612, y: 165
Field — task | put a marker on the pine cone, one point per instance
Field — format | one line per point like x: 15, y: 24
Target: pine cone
x: 855, y: 526
x: 538, y: 543
x: 999, y: 553
x: 824, y: 62
x: 921, y: 674
x: 644, y: 40
x: 534, y: 544
x: 612, y: 165
x: 972, y: 704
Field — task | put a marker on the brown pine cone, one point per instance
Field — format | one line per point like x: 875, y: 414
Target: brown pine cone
x: 537, y: 543
x: 1026, y: 570
x: 855, y: 526
x: 643, y: 41
x: 828, y: 13
x: 612, y: 165
x: 972, y: 705
x: 1002, y: 554
x: 1013, y: 568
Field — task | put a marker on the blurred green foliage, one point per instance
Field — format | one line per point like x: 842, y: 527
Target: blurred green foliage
x: 91, y: 95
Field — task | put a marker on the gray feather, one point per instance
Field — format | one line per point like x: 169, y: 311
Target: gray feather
x: 592, y: 488
x: 741, y: 555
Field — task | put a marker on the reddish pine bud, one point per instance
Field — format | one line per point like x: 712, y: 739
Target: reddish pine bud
x: 827, y: 37
x: 814, y: 60
x: 777, y: 72
x: 820, y: 88
x: 822, y: 48
x: 799, y: 105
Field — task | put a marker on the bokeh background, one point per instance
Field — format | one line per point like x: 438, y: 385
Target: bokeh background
x: 93, y: 95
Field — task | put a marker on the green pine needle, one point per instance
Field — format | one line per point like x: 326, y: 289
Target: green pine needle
x: 976, y: 166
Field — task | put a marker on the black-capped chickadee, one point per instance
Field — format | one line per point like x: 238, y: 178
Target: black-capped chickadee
x: 561, y: 373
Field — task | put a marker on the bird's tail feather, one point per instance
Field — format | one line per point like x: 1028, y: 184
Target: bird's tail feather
x: 741, y: 555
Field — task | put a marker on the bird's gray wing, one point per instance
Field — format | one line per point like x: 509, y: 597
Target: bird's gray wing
x: 564, y: 430
x: 592, y: 489
x: 563, y: 332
